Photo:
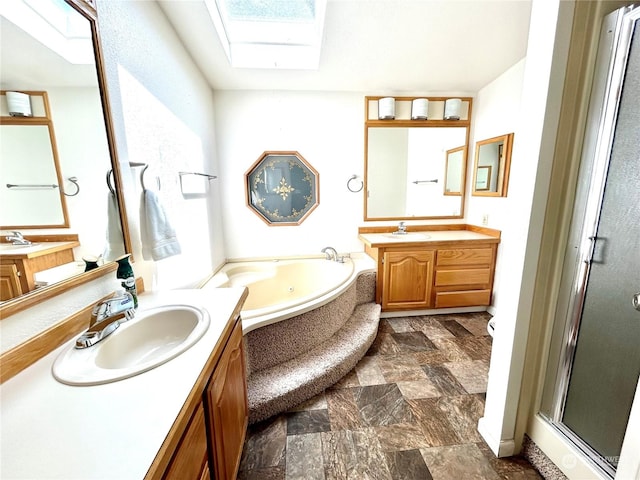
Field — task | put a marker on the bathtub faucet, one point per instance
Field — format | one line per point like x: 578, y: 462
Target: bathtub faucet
x: 331, y: 253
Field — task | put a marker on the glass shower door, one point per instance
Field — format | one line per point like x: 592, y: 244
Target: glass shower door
x: 605, y: 366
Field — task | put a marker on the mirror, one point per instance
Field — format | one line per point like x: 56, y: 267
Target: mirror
x: 409, y: 170
x: 492, y: 165
x: 79, y: 112
x: 454, y: 171
x: 29, y: 170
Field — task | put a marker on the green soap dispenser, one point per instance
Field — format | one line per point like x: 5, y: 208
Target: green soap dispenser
x: 125, y: 272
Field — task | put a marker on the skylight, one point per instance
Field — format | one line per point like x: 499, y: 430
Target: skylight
x: 283, y: 34
x: 55, y: 24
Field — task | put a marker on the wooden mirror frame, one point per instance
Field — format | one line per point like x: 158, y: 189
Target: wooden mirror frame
x: 463, y: 171
x: 43, y: 120
x: 87, y: 10
x: 403, y: 120
x: 501, y: 172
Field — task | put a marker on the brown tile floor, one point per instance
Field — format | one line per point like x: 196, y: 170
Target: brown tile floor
x: 408, y: 410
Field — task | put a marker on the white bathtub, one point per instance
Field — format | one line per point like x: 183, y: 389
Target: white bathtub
x: 283, y: 288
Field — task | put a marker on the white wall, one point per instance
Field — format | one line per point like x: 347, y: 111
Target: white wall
x: 163, y: 114
x: 520, y: 216
x: 327, y: 129
x: 497, y: 112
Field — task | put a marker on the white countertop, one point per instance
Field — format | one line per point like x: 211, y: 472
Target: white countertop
x: 434, y: 236
x: 36, y: 249
x: 56, y: 431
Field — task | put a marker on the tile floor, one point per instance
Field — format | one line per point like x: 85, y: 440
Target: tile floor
x: 408, y: 410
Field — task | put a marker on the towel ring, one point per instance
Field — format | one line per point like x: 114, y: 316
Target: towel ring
x: 109, y: 184
x: 354, y: 190
x: 74, y: 180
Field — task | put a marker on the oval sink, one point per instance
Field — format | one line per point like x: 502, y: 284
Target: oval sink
x: 410, y: 236
x: 153, y: 337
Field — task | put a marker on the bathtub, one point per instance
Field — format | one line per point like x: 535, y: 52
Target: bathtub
x: 283, y: 288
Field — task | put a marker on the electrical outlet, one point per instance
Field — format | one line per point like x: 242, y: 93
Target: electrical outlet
x: 485, y: 219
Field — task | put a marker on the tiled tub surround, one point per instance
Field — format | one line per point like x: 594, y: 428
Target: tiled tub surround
x: 408, y: 410
x: 292, y: 360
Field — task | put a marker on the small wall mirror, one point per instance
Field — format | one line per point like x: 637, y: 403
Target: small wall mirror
x: 454, y: 171
x: 492, y: 165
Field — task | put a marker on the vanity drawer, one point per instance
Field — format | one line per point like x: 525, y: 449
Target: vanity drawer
x: 465, y: 256
x: 463, y: 298
x: 475, y: 276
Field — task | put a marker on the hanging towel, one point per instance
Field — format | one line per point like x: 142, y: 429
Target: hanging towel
x: 115, y: 238
x: 158, y: 236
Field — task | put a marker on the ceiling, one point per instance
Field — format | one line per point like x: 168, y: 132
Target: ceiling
x: 379, y: 46
x: 372, y: 46
x: 32, y: 66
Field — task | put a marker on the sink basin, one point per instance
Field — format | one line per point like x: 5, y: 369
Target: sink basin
x: 409, y: 236
x: 153, y: 337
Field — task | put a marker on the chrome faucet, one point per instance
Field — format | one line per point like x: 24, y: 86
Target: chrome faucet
x: 402, y: 229
x: 16, y: 238
x: 106, y: 317
x: 330, y: 253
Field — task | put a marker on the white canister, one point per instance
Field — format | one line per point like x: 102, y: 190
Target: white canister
x: 387, y: 108
x: 19, y: 104
x: 452, y: 109
x: 420, y: 109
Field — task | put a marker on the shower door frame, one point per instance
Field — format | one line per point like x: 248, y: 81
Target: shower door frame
x: 603, y: 110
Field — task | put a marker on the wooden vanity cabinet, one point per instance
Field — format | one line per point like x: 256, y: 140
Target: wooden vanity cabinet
x: 10, y: 286
x: 464, y: 276
x: 25, y: 265
x: 190, y: 460
x: 407, y: 278
x: 210, y: 445
x: 227, y: 408
x: 443, y: 275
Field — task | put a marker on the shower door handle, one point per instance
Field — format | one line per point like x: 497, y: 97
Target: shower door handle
x: 636, y: 301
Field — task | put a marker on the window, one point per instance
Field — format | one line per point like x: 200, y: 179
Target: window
x: 285, y: 34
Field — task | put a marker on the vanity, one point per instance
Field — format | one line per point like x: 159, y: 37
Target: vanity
x: 184, y: 419
x: 432, y: 267
x: 21, y: 262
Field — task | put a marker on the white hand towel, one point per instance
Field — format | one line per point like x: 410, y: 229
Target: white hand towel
x: 158, y: 236
x: 115, y: 238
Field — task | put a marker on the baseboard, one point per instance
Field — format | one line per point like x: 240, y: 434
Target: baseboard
x: 432, y: 311
x: 561, y: 452
x: 500, y: 448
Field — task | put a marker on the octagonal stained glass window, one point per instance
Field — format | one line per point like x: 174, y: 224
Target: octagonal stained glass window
x: 282, y: 188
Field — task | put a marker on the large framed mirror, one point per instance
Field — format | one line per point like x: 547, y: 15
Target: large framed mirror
x: 415, y: 169
x: 72, y: 77
x: 491, y: 167
x: 31, y: 185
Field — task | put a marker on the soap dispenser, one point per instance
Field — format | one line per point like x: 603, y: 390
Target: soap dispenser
x: 125, y: 272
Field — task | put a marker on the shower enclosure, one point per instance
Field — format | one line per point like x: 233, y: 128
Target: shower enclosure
x: 595, y: 363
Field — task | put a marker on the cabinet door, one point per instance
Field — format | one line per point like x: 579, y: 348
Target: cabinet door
x: 9, y: 282
x: 226, y: 398
x: 189, y: 461
x: 408, y: 277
